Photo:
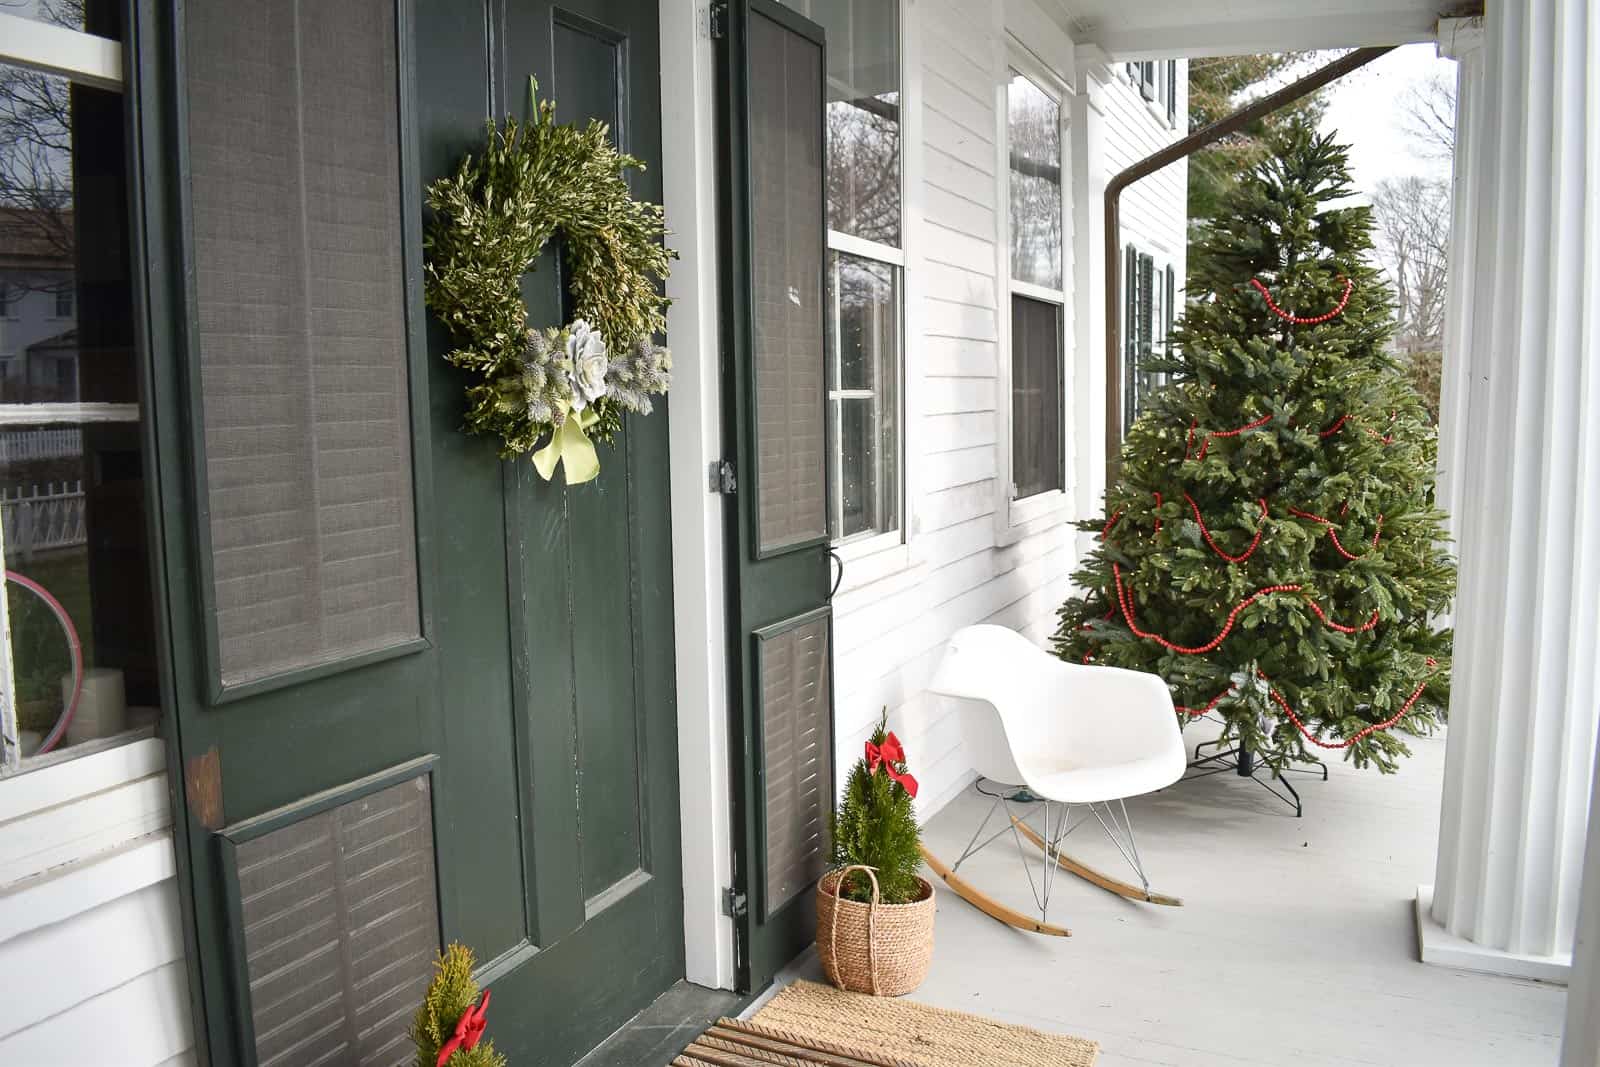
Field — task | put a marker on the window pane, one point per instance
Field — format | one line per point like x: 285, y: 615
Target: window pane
x: 1034, y: 136
x: 864, y: 385
x: 71, y: 471
x: 1036, y: 400
x: 863, y: 114
x: 103, y: 18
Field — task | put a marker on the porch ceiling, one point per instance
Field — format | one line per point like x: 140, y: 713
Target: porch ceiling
x: 1168, y: 29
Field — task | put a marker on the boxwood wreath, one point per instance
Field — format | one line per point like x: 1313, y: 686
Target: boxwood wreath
x: 564, y: 386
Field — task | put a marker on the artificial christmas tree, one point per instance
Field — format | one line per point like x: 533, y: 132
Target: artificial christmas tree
x: 1271, y: 546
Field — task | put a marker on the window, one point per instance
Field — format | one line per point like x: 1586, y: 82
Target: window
x: 863, y: 373
x: 1146, y: 80
x: 80, y: 668
x: 1157, y: 83
x: 865, y: 349
x: 1037, y: 288
x: 1149, y: 299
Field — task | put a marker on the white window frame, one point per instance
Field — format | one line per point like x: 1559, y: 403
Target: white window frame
x: 1166, y: 74
x: 83, y: 59
x: 884, y: 553
x: 868, y: 542
x: 1016, y: 518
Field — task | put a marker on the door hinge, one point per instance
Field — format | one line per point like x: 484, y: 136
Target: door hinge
x: 717, y: 21
x: 735, y: 904
x: 722, y: 478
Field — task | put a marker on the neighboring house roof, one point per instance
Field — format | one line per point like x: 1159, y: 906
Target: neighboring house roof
x: 65, y: 341
x: 36, y: 238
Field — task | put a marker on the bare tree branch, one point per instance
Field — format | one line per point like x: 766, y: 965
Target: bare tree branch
x: 1412, y: 247
x: 1428, y: 115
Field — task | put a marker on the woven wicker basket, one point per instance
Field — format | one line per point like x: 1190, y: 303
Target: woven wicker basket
x: 882, y: 949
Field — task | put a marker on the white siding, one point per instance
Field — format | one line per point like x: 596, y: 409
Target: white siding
x: 91, y: 945
x: 898, y: 608
x: 1155, y: 210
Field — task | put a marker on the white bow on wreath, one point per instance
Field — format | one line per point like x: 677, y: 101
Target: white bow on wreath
x: 576, y: 376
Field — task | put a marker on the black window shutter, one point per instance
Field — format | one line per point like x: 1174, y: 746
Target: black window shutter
x: 1172, y: 302
x: 1146, y: 327
x: 1130, y: 301
x: 1172, y: 91
x: 1130, y: 338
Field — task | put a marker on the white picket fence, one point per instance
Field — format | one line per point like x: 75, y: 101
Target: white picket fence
x: 20, y: 446
x: 42, y: 517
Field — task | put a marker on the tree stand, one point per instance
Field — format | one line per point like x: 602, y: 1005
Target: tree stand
x: 1241, y: 760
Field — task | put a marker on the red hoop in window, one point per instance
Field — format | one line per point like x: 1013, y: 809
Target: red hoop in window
x: 53, y: 738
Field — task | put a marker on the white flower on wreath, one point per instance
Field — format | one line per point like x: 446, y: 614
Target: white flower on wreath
x: 587, y: 359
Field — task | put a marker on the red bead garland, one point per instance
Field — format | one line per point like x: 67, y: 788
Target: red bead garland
x: 1372, y: 620
x: 1307, y: 734
x: 1205, y: 446
x: 1331, y: 430
x: 1125, y: 602
x: 1254, y: 544
x: 1349, y: 287
x: 1333, y: 533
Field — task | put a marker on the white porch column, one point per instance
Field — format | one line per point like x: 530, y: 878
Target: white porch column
x: 1525, y: 351
x: 1580, y: 1046
x: 1089, y: 280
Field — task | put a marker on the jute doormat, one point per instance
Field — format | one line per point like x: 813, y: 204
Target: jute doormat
x: 809, y: 1023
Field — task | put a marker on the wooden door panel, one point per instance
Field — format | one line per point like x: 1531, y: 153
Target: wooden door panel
x: 774, y: 232
x: 541, y: 697
x: 609, y: 772
x: 591, y: 715
x: 476, y: 655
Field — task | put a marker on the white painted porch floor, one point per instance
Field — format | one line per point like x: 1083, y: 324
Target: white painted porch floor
x: 1296, y: 944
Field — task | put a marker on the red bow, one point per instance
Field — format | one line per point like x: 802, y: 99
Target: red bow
x: 889, y: 754
x: 468, y: 1030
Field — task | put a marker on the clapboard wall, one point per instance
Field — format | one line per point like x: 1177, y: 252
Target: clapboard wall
x: 1155, y: 209
x: 91, y: 947
x: 961, y: 565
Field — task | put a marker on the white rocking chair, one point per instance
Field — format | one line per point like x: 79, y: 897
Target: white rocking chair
x: 1044, y: 731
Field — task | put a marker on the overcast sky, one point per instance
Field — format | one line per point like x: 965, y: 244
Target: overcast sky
x: 1365, y: 111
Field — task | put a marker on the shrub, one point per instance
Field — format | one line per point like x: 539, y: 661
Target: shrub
x: 875, y: 825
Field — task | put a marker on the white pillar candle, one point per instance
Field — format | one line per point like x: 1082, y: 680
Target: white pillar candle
x: 102, y: 706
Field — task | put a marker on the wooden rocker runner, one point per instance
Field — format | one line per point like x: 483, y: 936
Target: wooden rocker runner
x: 1058, y: 735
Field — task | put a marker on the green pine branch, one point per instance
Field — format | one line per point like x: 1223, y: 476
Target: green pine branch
x: 452, y: 991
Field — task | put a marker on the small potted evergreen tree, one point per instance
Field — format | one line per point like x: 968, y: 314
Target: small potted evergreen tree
x: 874, y: 911
x: 448, y: 1029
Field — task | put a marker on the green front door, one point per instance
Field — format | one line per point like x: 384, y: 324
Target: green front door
x: 416, y: 695
x: 776, y: 424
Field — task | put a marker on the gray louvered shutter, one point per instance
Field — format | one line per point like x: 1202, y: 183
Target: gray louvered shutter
x: 796, y: 755
x: 294, y: 148
x: 339, y: 919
